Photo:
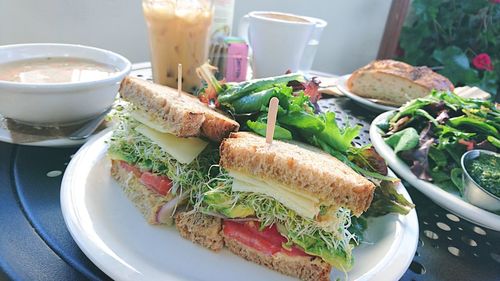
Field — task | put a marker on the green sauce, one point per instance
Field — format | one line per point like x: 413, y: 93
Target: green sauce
x: 485, y: 170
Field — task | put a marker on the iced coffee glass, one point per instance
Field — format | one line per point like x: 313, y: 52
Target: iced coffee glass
x: 178, y: 33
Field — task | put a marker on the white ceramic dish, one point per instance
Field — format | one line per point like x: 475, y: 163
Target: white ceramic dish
x: 114, y: 235
x: 364, y: 102
x: 59, y: 103
x: 452, y: 202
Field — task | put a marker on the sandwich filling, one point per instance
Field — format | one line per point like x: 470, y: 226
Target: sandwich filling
x: 267, y: 240
x: 237, y: 200
x: 166, y: 164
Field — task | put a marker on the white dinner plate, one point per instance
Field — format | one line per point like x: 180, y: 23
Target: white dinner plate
x: 364, y: 102
x: 450, y: 201
x: 115, y: 236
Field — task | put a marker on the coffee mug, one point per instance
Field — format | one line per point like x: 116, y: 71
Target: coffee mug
x: 278, y: 40
x: 312, y: 46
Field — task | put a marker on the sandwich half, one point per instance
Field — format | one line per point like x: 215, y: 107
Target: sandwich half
x: 161, y: 147
x: 281, y: 205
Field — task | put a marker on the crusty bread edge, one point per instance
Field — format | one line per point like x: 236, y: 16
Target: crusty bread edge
x: 200, y: 229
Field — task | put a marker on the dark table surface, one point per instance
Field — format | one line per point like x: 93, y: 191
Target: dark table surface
x: 35, y: 244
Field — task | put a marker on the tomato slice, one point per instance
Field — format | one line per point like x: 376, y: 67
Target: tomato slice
x: 270, y: 234
x: 268, y: 241
x: 161, y: 184
x: 131, y: 168
x: 247, y: 236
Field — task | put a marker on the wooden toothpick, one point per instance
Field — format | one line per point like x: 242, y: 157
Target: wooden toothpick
x: 271, y: 119
x: 179, y: 78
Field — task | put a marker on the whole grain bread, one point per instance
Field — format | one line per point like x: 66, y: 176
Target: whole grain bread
x: 185, y: 114
x: 395, y: 82
x: 201, y: 229
x: 147, y: 201
x: 315, y: 173
x: 304, y: 268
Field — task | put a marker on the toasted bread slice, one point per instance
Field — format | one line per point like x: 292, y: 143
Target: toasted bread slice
x: 147, y: 201
x: 201, y: 229
x: 185, y: 115
x: 304, y: 268
x: 396, y: 82
x: 314, y: 173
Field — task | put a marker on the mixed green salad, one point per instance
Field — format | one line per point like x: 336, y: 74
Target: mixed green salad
x: 432, y: 133
x: 300, y: 119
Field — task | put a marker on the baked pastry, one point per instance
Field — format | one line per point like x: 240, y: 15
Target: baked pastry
x: 396, y: 82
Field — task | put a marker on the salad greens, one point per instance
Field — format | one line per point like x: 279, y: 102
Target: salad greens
x: 280, y: 133
x: 433, y: 132
x: 299, y: 119
x: 403, y: 140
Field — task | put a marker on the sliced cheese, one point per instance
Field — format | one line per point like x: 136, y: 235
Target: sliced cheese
x: 303, y: 204
x: 184, y: 150
x: 150, y: 121
x: 255, y: 180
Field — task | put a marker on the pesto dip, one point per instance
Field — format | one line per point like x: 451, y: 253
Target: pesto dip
x: 485, y: 170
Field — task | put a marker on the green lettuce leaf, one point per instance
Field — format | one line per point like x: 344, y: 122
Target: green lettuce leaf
x: 280, y: 133
x: 302, y: 120
x: 387, y: 200
x: 403, y: 140
x: 339, y: 139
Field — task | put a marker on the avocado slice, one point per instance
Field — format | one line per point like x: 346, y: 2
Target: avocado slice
x: 221, y: 202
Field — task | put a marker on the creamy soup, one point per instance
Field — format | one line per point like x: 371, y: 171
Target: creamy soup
x: 55, y: 70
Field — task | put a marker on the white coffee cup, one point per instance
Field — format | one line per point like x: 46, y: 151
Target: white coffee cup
x: 277, y: 40
x: 312, y: 46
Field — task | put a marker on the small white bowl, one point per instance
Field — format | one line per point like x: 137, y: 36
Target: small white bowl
x: 59, y: 103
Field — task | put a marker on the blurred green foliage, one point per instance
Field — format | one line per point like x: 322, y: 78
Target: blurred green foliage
x: 447, y: 35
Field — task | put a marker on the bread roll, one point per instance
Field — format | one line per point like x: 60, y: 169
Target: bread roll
x: 396, y: 82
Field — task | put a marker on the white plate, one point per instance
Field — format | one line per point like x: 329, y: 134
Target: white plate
x: 452, y: 202
x: 115, y: 236
x: 366, y: 103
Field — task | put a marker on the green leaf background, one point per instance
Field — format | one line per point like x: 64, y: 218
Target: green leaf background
x: 448, y: 34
